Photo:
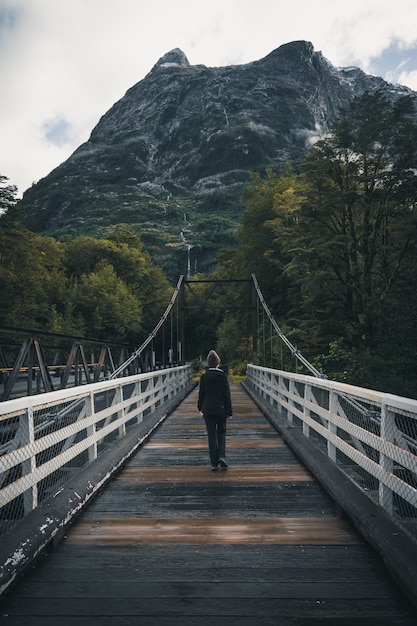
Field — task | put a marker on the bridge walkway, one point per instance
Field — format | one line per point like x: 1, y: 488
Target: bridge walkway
x: 169, y: 542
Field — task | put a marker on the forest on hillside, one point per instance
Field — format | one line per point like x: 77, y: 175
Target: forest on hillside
x: 332, y: 242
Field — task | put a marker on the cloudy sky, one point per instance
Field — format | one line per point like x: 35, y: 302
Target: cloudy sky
x: 63, y: 63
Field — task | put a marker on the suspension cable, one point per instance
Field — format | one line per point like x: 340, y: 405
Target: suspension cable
x: 148, y: 340
x: 279, y: 332
x: 164, y: 317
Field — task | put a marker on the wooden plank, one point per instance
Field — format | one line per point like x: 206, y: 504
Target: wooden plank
x: 198, y: 457
x: 182, y: 606
x: 243, y: 620
x: 246, y: 501
x: 241, y: 443
x: 223, y: 589
x: 181, y: 425
x: 238, y: 473
x: 211, y: 563
x: 288, y: 531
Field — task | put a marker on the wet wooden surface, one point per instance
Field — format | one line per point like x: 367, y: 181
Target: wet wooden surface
x: 170, y: 542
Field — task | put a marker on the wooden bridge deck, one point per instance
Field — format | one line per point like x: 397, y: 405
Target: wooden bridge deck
x: 170, y: 542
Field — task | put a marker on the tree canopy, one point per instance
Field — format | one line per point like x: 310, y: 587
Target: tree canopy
x: 334, y: 244
x: 104, y: 289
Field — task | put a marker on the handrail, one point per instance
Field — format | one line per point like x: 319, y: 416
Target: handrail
x: 378, y: 455
x: 45, y: 439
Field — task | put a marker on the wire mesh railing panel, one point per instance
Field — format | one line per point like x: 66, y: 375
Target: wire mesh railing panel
x: 33, y: 446
x: 371, y: 436
x: 365, y: 414
x: 46, y: 440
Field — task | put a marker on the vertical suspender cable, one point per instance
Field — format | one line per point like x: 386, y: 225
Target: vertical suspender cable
x: 287, y: 342
x: 148, y: 340
x: 171, y: 357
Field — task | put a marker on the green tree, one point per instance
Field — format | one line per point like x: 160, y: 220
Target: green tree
x: 258, y: 253
x: 32, y: 278
x: 123, y: 250
x: 339, y: 256
x: 261, y: 254
x: 348, y: 229
x: 32, y: 275
x: 106, y: 304
x: 8, y: 202
x: 234, y: 344
x: 358, y: 225
x: 104, y: 288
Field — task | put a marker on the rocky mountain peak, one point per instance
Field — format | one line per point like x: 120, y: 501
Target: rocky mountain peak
x: 293, y: 53
x: 173, y: 58
x: 170, y: 159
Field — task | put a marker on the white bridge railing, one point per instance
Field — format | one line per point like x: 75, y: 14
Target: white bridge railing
x: 371, y: 436
x: 46, y: 439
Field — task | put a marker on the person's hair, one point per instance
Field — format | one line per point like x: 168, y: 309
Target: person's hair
x: 213, y: 359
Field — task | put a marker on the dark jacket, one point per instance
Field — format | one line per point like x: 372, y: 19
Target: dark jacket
x: 214, y: 394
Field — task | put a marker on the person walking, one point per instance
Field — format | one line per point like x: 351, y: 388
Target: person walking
x: 215, y: 405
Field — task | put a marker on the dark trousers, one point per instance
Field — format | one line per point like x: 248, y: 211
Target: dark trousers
x: 216, y: 432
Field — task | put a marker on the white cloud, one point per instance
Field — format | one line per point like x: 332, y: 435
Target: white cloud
x: 64, y: 63
x: 407, y: 78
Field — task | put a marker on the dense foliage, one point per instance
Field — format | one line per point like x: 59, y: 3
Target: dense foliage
x: 105, y: 289
x: 334, y: 246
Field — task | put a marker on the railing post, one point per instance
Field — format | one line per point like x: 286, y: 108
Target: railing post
x: 274, y: 394
x: 27, y: 431
x: 151, y: 389
x: 333, y: 404
x: 139, y: 402
x: 174, y: 385
x: 91, y: 430
x: 306, y: 410
x: 265, y: 384
x: 387, y: 464
x: 291, y: 392
x: 120, y: 413
x: 281, y: 399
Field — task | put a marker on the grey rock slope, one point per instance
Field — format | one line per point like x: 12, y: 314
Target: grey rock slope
x: 170, y: 159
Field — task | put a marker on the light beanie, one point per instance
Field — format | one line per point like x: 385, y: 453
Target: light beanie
x: 213, y: 359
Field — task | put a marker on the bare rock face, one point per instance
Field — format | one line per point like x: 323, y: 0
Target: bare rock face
x: 170, y: 159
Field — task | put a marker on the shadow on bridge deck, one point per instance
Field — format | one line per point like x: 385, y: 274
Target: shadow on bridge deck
x: 170, y: 542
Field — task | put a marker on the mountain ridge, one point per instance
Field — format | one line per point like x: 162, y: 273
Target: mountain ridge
x: 171, y: 157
